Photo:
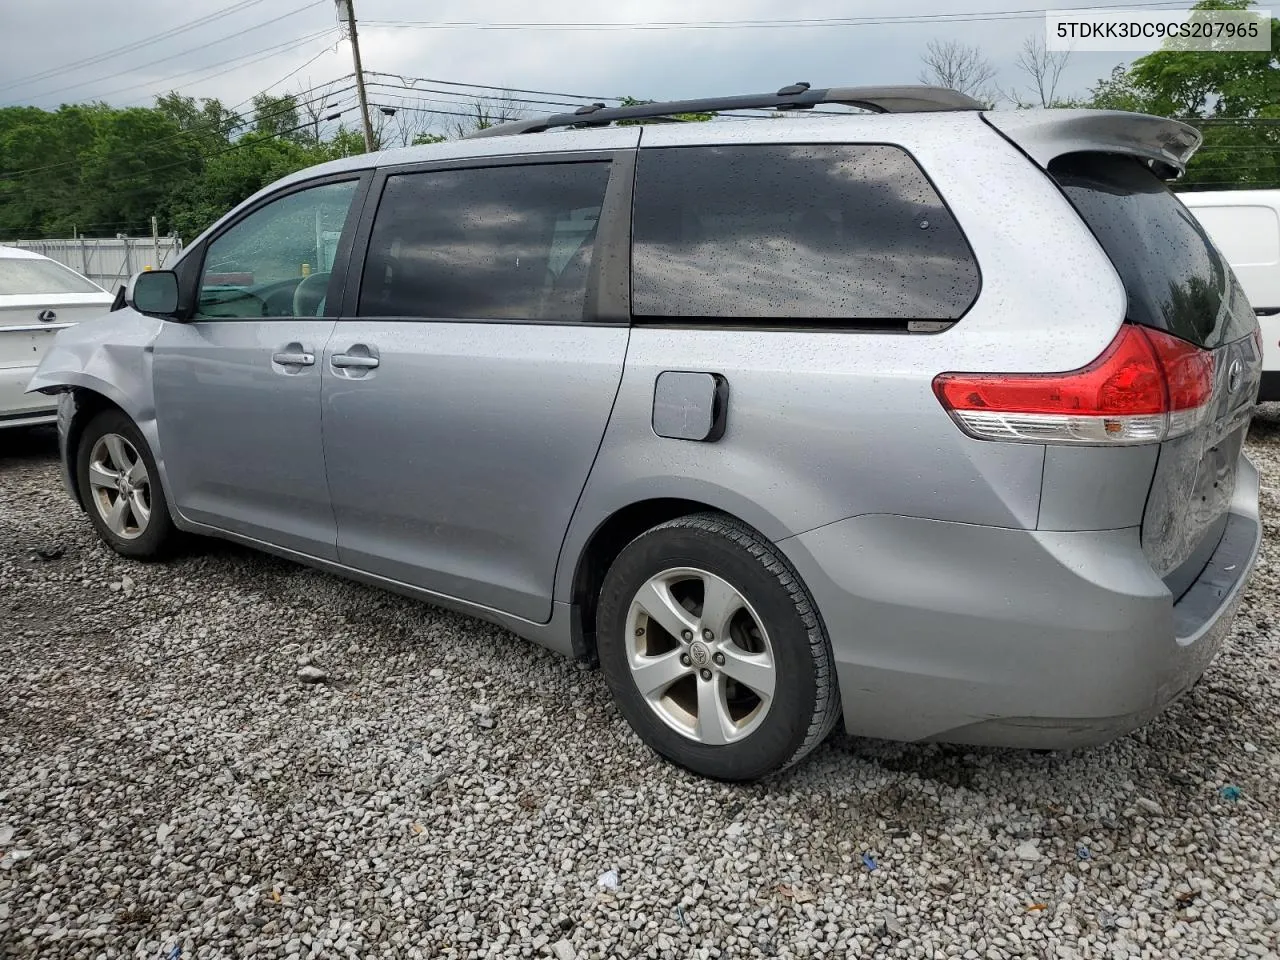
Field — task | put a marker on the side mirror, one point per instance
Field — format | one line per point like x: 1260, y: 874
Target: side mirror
x: 154, y: 292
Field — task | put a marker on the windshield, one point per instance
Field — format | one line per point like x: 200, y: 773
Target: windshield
x: 19, y: 275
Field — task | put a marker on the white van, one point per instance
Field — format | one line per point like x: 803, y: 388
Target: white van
x: 1245, y: 224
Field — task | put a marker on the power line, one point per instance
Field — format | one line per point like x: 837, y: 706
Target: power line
x: 1216, y: 121
x: 471, y: 98
x: 238, y: 145
x: 256, y: 55
x: 443, y: 113
x: 194, y: 131
x: 330, y: 49
x: 462, y: 98
x: 1214, y: 168
x: 130, y: 47
x: 347, y: 11
x: 183, y: 53
x: 405, y: 79
x: 1242, y: 184
x: 978, y: 16
x: 407, y: 104
x: 294, y: 72
x: 1232, y: 148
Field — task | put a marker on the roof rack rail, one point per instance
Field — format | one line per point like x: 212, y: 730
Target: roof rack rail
x: 796, y: 96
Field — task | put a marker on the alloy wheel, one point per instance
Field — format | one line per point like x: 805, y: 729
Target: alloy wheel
x: 120, y: 486
x: 700, y: 656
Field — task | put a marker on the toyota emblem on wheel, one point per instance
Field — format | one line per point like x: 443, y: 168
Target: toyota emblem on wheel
x: 46, y: 316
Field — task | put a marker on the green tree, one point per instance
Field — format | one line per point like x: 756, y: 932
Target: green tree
x: 1229, y: 96
x: 88, y: 168
x: 208, y: 120
x: 278, y: 117
x: 344, y: 143
x: 135, y: 160
x: 1204, y: 83
x: 1119, y: 91
x: 229, y: 177
x: 37, y: 169
x: 633, y: 102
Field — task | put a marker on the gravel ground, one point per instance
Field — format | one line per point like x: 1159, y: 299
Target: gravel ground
x: 170, y: 787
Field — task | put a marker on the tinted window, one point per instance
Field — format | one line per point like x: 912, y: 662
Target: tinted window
x: 795, y: 232
x: 498, y: 243
x: 276, y: 261
x: 1174, y: 277
x: 20, y: 275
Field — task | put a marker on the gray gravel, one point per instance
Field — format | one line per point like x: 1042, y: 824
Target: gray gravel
x: 233, y: 756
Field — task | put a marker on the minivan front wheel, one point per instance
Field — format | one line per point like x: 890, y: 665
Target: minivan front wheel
x: 120, y: 487
x: 713, y: 649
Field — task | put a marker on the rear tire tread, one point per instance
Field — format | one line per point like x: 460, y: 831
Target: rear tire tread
x: 826, y: 707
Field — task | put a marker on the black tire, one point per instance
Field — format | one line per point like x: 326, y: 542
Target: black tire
x: 806, y: 699
x: 159, y: 535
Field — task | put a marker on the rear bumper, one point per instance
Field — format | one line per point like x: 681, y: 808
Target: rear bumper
x: 1023, y: 638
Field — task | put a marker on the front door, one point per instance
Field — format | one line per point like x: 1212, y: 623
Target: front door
x: 467, y: 392
x: 237, y: 387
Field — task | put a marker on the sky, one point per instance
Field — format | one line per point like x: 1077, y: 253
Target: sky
x: 244, y: 46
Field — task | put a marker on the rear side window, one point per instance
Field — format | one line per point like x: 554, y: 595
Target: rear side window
x: 1174, y: 277
x: 495, y: 243
x: 795, y: 233
x: 22, y: 275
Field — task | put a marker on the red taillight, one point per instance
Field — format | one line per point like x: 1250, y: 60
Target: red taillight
x: 1146, y: 386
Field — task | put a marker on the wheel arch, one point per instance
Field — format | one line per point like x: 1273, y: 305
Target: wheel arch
x: 604, y: 544
x: 87, y: 400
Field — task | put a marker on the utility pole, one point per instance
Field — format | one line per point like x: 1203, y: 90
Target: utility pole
x: 346, y: 9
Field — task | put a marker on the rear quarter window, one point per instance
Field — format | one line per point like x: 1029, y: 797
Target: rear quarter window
x: 795, y: 234
x: 1174, y: 277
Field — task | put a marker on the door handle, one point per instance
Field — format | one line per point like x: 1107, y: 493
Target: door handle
x: 294, y: 359
x: 353, y: 360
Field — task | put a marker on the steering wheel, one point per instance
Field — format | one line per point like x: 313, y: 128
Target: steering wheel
x: 309, y: 295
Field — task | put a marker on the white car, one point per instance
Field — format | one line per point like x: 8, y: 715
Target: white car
x: 1245, y: 226
x: 38, y: 297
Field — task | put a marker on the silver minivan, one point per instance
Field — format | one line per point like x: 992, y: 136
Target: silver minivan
x: 925, y: 418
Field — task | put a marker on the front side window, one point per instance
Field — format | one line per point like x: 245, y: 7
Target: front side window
x: 492, y: 243
x: 276, y: 261
x: 793, y: 233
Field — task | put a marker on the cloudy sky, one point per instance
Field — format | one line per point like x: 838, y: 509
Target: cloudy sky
x: 57, y: 51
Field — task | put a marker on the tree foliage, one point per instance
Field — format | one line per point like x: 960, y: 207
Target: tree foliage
x: 279, y: 117
x: 99, y: 170
x: 1232, y: 97
x: 633, y: 102
x: 90, y: 168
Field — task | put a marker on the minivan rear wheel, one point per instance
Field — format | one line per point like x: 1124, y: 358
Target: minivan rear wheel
x: 713, y: 649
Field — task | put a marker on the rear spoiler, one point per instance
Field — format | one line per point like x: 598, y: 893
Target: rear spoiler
x: 1043, y: 135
